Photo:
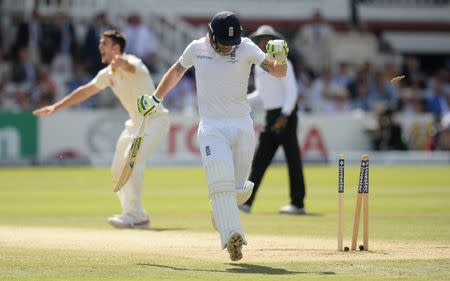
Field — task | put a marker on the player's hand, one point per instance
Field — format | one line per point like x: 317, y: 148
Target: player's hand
x: 278, y: 49
x: 280, y: 124
x: 117, y: 62
x: 148, y: 104
x: 45, y: 111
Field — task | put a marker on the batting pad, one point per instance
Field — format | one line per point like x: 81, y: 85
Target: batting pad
x: 243, y: 194
x: 226, y: 215
x: 223, y: 199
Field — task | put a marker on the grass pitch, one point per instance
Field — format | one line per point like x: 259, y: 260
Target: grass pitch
x: 53, y: 227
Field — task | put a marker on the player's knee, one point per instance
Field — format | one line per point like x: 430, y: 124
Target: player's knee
x: 220, y: 177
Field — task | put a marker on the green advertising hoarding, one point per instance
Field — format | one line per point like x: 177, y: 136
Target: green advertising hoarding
x: 18, y: 136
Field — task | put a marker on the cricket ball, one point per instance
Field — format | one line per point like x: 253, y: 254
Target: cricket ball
x: 346, y: 249
x: 361, y: 247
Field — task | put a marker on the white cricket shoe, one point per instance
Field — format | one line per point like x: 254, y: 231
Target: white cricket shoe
x: 243, y: 194
x: 292, y: 210
x: 234, y: 246
x: 128, y: 221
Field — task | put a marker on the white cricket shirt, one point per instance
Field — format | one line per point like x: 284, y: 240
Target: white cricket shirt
x: 276, y: 92
x: 222, y: 80
x: 127, y: 86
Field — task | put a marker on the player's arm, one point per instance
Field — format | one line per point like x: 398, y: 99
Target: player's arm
x: 122, y: 62
x: 79, y: 95
x: 274, y: 68
x: 169, y: 80
x: 148, y: 104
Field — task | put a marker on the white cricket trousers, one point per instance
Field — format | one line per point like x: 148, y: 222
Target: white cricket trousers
x: 130, y: 195
x: 227, y: 148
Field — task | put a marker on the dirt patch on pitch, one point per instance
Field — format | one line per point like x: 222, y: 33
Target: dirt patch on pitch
x: 207, y: 246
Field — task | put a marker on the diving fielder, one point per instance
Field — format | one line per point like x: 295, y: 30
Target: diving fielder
x: 129, y: 78
x: 222, y: 61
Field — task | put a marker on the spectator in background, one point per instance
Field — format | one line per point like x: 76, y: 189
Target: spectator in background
x: 382, y: 92
x: 438, y: 97
x: 304, y: 77
x: 388, y: 136
x: 66, y: 44
x: 92, y: 57
x: 4, y: 71
x: 30, y: 35
x: 21, y: 99
x: 23, y: 76
x: 81, y: 77
x: 322, y: 91
x: 338, y: 102
x: 411, y: 101
x: 358, y: 88
x: 5, y: 99
x: 24, y: 70
x: 44, y: 90
x: 342, y: 77
x: 142, y: 41
x: 413, y: 74
x: 314, y: 41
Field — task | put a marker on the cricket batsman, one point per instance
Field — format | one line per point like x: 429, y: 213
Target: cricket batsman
x: 226, y: 137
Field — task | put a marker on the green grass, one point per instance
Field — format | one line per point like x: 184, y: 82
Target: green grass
x: 408, y: 204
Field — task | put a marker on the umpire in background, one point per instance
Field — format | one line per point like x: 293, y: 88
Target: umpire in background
x: 279, y: 98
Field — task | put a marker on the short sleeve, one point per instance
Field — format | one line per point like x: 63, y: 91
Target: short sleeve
x: 101, y: 79
x: 187, y: 58
x: 256, y: 56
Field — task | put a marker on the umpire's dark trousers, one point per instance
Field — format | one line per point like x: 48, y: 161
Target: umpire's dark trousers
x: 269, y: 142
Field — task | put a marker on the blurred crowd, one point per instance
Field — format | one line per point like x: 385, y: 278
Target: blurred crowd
x: 45, y: 58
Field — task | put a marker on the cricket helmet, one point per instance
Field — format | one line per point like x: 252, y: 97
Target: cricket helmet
x: 225, y: 28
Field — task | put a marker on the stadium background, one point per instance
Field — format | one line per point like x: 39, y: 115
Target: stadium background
x: 50, y: 47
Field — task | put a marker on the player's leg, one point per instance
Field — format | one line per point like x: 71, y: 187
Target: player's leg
x: 133, y: 213
x: 243, y: 150
x: 218, y: 164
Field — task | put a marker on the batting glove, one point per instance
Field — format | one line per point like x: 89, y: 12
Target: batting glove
x: 147, y: 104
x: 278, y: 49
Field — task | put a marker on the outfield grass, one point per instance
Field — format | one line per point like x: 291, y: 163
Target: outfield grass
x: 408, y: 207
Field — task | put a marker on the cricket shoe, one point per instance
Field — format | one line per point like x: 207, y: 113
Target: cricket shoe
x: 245, y: 208
x: 234, y: 246
x: 292, y: 210
x: 128, y: 221
x: 243, y: 194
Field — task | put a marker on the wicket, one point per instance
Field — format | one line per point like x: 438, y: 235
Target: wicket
x: 362, y: 201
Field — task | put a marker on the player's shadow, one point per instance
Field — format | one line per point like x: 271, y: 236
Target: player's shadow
x: 298, y: 216
x: 267, y: 270
x: 161, y: 229
x: 243, y: 268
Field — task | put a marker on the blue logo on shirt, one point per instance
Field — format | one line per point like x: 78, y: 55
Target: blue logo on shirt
x: 203, y: 57
x: 233, y: 56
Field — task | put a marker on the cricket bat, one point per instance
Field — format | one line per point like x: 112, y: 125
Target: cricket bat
x: 127, y: 170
